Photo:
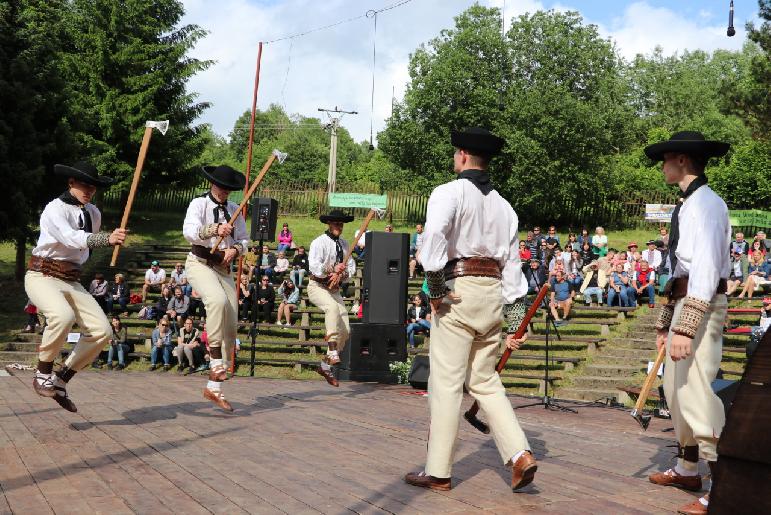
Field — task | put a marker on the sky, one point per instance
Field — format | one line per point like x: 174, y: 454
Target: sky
x: 334, y: 67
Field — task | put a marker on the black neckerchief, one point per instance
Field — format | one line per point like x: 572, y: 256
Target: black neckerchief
x: 219, y: 206
x: 478, y: 178
x: 85, y: 223
x: 674, y: 233
x: 336, y: 239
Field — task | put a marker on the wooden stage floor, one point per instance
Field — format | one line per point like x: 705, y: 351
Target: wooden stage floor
x: 149, y: 443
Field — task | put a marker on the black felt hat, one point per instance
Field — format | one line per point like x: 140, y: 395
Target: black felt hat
x: 687, y: 142
x: 225, y: 177
x: 336, y: 216
x: 477, y: 140
x: 83, y: 172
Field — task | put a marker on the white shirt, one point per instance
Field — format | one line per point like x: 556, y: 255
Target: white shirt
x: 200, y: 212
x: 461, y: 222
x: 178, y: 277
x: 704, y: 243
x: 322, y: 256
x: 60, y: 235
x: 155, y: 277
x: 653, y: 257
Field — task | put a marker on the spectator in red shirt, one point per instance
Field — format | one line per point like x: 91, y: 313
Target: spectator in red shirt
x: 524, y: 252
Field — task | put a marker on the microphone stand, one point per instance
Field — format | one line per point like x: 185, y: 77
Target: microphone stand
x: 263, y: 227
x: 547, y: 402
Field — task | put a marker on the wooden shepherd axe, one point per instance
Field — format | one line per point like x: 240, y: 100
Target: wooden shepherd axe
x: 276, y: 154
x: 149, y: 126
x: 644, y: 420
x: 471, y: 414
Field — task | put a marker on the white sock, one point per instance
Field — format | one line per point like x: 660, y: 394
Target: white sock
x: 214, y: 386
x: 41, y: 377
x: 214, y: 362
x: 704, y: 501
x: 332, y: 353
x: 325, y: 366
x: 517, y: 456
x: 683, y: 471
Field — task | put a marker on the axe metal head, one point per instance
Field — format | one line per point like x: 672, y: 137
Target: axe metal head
x: 643, y: 420
x: 478, y: 424
x: 161, y: 126
x: 281, y: 156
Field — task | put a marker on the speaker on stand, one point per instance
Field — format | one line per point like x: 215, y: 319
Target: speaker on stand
x: 264, y: 219
x: 386, y: 265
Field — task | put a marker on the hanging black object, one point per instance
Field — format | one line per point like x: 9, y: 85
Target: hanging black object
x: 731, y: 30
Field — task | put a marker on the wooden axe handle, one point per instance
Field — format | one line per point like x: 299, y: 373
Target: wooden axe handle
x: 521, y: 330
x: 362, y: 230
x: 649, y: 380
x: 248, y: 195
x: 133, y: 190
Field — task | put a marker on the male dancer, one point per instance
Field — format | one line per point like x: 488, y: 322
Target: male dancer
x: 470, y: 254
x: 691, y: 324
x: 325, y: 261
x: 208, y: 217
x: 69, y: 229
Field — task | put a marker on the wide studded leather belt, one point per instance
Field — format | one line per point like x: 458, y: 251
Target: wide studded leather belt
x: 64, y: 270
x: 474, y: 266
x: 677, y: 288
x: 202, y: 252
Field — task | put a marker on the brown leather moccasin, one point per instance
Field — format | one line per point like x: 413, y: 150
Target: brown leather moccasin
x: 46, y: 389
x: 217, y: 398
x: 672, y: 478
x: 328, y: 375
x: 693, y: 508
x: 523, y: 471
x: 423, y: 480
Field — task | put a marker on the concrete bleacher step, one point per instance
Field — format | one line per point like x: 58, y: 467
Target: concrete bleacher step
x: 589, y: 394
x: 613, y: 351
x: 585, y: 381
x: 612, y: 370
x: 605, y: 359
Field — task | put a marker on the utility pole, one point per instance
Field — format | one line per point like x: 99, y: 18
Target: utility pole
x: 335, y: 115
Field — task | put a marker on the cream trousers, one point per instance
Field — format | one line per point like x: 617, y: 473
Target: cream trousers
x: 465, y: 338
x: 335, y: 314
x: 218, y: 293
x: 63, y: 303
x: 697, y: 413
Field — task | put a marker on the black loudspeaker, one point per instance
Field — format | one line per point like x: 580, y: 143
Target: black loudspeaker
x: 264, y: 218
x: 421, y: 367
x: 726, y: 391
x: 386, y: 266
x: 370, y: 349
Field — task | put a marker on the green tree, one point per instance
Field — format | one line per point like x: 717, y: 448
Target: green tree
x: 127, y: 63
x: 33, y: 130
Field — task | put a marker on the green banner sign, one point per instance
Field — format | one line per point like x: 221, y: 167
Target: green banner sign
x: 750, y: 218
x: 366, y: 200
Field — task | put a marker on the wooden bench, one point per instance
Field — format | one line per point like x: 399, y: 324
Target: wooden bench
x: 744, y: 311
x: 603, y: 323
x: 568, y: 362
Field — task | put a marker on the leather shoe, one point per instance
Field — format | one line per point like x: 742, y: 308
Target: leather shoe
x: 672, y: 478
x: 218, y: 373
x: 44, y: 389
x: 217, y: 398
x: 423, y: 480
x: 64, y: 401
x: 523, y: 471
x: 694, y: 508
x: 328, y: 375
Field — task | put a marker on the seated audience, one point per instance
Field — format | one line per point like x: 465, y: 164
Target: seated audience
x: 524, y: 252
x: 544, y: 255
x: 600, y: 242
x: 584, y: 238
x: 282, y: 265
x: 155, y: 276
x: 742, y: 247
x: 245, y: 297
x: 572, y: 243
x: 162, y: 306
x: 552, y: 238
x: 652, y: 256
x: 664, y: 236
x: 359, y: 249
x: 758, y: 331
x: 416, y: 241
x: 418, y: 319
x: 758, y: 246
x: 99, y: 291
x: 389, y: 228
x: 189, y: 347
x: 178, y: 307
x: 594, y: 283
x: 162, y: 343
x: 299, y: 267
x: 735, y: 277
x: 573, y: 268
x: 284, y: 238
x: 32, y: 321
x: 643, y: 284
x: 119, y: 294
x: 179, y: 278
x: 531, y: 243
x: 561, y: 297
x: 619, y: 286
x: 587, y: 256
x: 535, y: 275
x: 663, y: 271
x: 120, y: 347
x: 196, y: 306
x: 761, y: 237
x: 267, y: 264
x: 757, y: 275
x: 290, y: 296
x: 264, y: 301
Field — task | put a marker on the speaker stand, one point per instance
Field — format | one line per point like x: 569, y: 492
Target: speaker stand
x: 254, y: 329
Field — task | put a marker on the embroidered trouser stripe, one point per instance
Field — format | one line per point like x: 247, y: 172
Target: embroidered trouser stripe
x: 697, y: 412
x: 335, y: 314
x: 218, y: 293
x: 465, y: 338
x: 63, y: 303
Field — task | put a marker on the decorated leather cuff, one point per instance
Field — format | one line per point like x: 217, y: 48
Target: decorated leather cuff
x: 207, y: 231
x: 691, y: 315
x: 98, y: 239
x: 437, y: 287
x: 665, y: 317
x: 514, y: 314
